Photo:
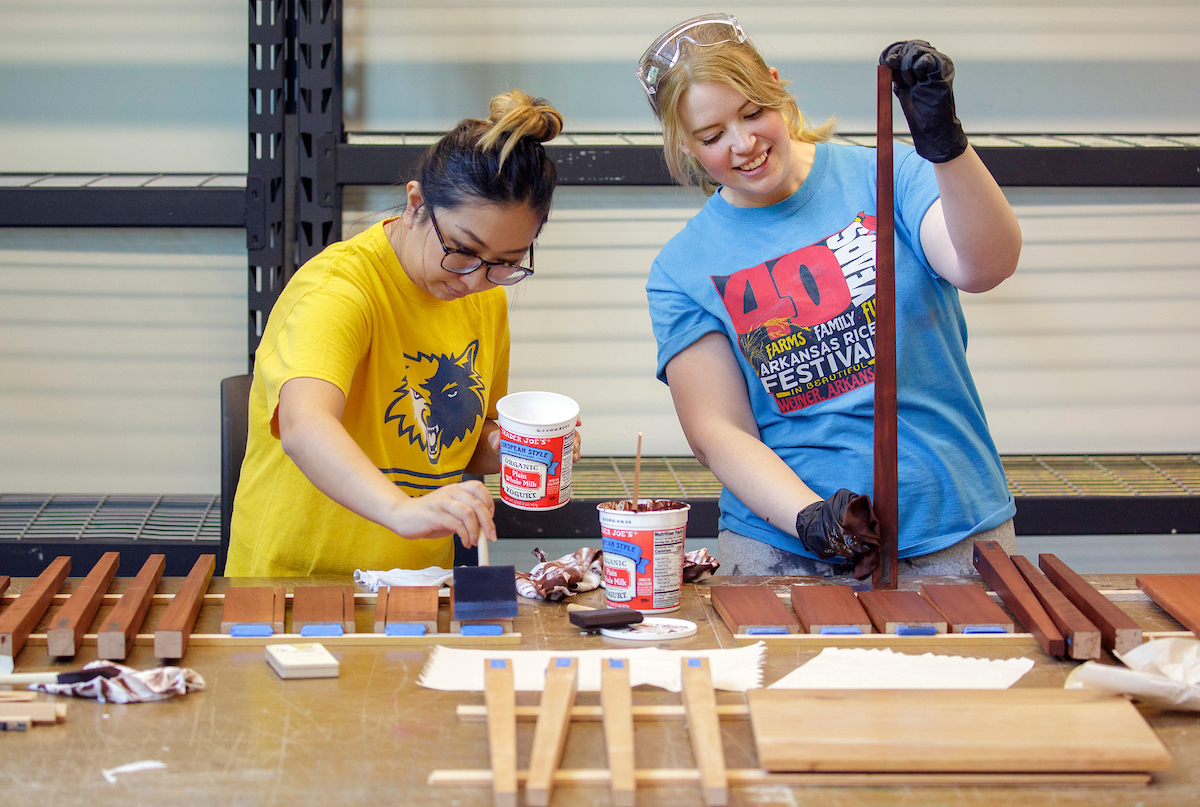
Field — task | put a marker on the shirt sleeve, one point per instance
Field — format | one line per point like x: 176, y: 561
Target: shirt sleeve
x: 677, y: 319
x: 916, y: 190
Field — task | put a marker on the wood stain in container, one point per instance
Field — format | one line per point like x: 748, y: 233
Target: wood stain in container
x: 643, y: 554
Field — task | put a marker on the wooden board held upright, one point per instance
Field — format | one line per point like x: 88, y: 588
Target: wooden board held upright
x: 124, y: 621
x: 174, y: 628
x: 1177, y: 594
x: 1118, y: 631
x: 752, y: 609
x: 997, y: 570
x: 704, y: 730
x: 411, y: 605
x: 550, y: 735
x: 71, y: 621
x: 829, y: 609
x: 19, y: 620
x: 254, y: 605
x: 323, y: 605
x: 1082, y: 637
x: 967, y: 608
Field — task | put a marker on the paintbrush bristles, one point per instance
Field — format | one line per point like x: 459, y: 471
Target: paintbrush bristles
x: 637, y: 473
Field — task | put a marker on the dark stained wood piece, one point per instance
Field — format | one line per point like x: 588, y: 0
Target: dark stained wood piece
x: 174, y: 628
x: 1083, y: 638
x: 1118, y: 631
x: 3, y: 584
x: 890, y: 610
x: 254, y: 605
x: 998, y: 571
x: 117, y: 633
x: 407, y: 604
x: 19, y: 620
x: 752, y: 608
x: 323, y: 605
x: 1177, y: 594
x: 71, y: 621
x: 966, y: 606
x: 886, y: 498
x: 828, y: 607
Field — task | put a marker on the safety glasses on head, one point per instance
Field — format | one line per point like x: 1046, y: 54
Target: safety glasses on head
x: 704, y: 31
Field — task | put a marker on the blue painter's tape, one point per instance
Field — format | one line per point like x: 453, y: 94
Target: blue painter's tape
x: 497, y: 663
x: 482, y: 630
x: 916, y: 630
x: 252, y: 630
x: 841, y: 630
x: 562, y: 662
x: 616, y: 663
x: 322, y: 629
x: 405, y: 629
x: 693, y: 662
x: 765, y: 631
x: 983, y: 629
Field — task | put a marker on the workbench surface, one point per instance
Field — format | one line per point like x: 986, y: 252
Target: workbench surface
x: 371, y: 736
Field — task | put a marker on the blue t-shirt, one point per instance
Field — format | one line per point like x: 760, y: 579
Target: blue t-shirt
x: 793, y: 287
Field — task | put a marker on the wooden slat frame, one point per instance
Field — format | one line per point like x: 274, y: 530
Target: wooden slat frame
x: 748, y: 608
x: 998, y: 571
x: 71, y: 622
x: 115, y: 637
x: 1082, y: 637
x: 616, y: 702
x: 704, y: 730
x: 550, y: 735
x: 500, y: 698
x: 174, y: 628
x: 1118, y: 631
x: 19, y: 620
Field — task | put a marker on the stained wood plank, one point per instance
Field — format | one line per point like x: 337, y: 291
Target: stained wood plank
x: 115, y: 636
x: 174, y: 628
x: 752, y: 609
x: 998, y: 571
x: 4, y: 580
x: 1082, y: 637
x: 1177, y: 594
x: 20, y: 618
x: 1118, y: 631
x: 616, y: 701
x: 254, y: 605
x: 829, y: 608
x: 966, y: 608
x: 416, y: 605
x: 71, y: 622
x: 704, y: 730
x: 500, y: 698
x: 381, y: 606
x: 1017, y: 731
x: 322, y: 605
x: 898, y: 611
x: 550, y: 735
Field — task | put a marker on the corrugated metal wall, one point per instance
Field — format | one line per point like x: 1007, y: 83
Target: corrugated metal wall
x: 112, y: 343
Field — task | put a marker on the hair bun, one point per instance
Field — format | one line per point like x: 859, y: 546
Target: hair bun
x: 515, y: 114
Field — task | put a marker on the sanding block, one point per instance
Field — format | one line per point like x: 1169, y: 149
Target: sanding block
x: 302, y: 661
x: 604, y: 618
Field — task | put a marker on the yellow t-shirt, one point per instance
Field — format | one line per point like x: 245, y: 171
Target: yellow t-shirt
x: 419, y: 376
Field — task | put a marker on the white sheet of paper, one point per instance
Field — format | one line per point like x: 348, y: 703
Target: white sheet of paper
x: 864, y: 668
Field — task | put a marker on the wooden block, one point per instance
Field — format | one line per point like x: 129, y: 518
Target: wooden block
x: 116, y: 635
x: 254, y: 605
x: 1022, y: 730
x: 998, y: 571
x: 174, y: 628
x: 19, y: 620
x: 71, y: 621
x: 967, y: 608
x: 550, y: 735
x: 35, y: 712
x: 415, y: 605
x: 829, y: 609
x: 704, y: 729
x: 901, y: 612
x: 752, y: 609
x: 500, y: 697
x: 1082, y: 637
x: 3, y: 584
x: 323, y: 605
x: 616, y: 702
x: 1118, y: 631
x: 1177, y: 594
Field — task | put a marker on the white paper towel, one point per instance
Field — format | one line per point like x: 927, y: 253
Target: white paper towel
x: 1163, y: 673
x: 458, y: 670
x: 863, y: 668
x: 431, y: 576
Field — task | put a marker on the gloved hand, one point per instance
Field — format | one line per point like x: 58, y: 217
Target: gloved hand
x: 843, y: 526
x: 922, y: 78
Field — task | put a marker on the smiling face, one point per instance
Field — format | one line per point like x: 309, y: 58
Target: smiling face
x: 744, y: 147
x: 494, y: 232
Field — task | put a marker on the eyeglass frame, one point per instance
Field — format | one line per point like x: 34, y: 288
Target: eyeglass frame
x: 654, y: 64
x: 527, y: 270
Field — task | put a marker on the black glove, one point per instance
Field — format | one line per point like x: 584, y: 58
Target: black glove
x: 843, y: 526
x: 922, y: 78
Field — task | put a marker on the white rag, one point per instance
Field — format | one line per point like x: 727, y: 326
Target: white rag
x: 131, y: 686
x: 1163, y: 673
x: 863, y: 668
x: 431, y: 576
x: 458, y: 670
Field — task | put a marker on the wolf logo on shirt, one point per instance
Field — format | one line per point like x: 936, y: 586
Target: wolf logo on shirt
x: 806, y: 320
x: 446, y: 397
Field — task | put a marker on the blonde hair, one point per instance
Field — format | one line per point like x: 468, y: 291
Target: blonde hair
x: 738, y: 65
x: 515, y: 115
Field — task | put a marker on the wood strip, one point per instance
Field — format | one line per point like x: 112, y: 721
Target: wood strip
x: 1177, y: 594
x: 958, y: 641
x: 998, y: 571
x: 966, y: 607
x: 820, y: 607
x: 550, y: 735
x: 321, y: 605
x: 669, y: 777
x: 704, y: 729
x: 1118, y: 631
x: 501, y: 699
x: 115, y: 637
x: 174, y: 628
x: 746, y: 609
x: 37, y: 711
x: 350, y: 640
x: 472, y: 713
x: 414, y: 604
x: 22, y: 616
x: 381, y: 606
x: 71, y: 621
x: 4, y: 580
x: 886, y: 496
x: 890, y: 611
x: 1082, y: 637
x: 255, y: 605
x: 616, y: 701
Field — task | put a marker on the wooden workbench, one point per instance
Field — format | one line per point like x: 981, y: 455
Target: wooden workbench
x: 372, y: 735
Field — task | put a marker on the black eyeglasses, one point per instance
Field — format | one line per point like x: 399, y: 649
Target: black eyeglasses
x: 461, y: 262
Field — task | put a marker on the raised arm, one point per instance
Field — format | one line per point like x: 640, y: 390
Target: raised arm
x: 312, y: 435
